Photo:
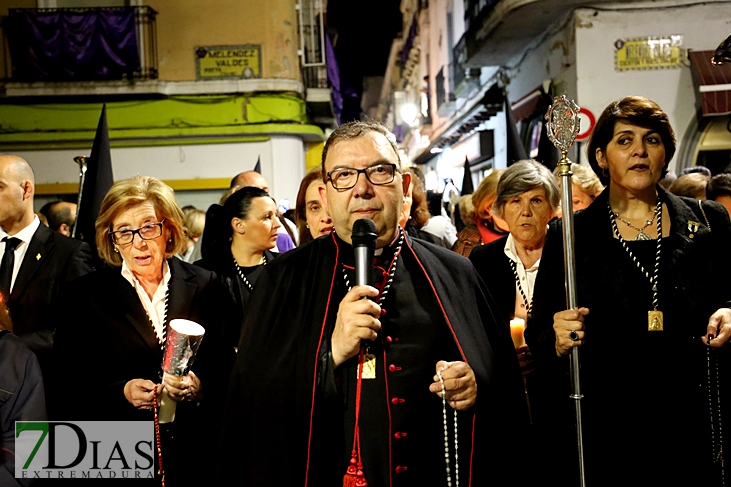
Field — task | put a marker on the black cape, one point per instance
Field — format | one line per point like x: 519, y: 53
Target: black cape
x: 267, y: 436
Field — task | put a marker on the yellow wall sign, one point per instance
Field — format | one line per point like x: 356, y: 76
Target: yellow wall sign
x: 215, y: 62
x: 649, y: 53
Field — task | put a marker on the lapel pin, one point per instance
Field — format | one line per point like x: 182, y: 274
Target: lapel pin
x: 693, y: 227
x: 38, y: 256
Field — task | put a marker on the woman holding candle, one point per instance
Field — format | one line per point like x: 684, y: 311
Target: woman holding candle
x: 527, y: 198
x: 111, y: 342
x: 653, y: 293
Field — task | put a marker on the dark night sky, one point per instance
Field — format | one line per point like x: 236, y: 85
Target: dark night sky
x: 365, y: 33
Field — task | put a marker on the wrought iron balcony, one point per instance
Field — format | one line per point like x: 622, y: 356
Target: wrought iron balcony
x: 80, y: 44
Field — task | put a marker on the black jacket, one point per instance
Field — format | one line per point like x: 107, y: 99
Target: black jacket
x: 268, y: 438
x: 108, y: 340
x: 493, y: 267
x: 51, y: 262
x: 645, y: 406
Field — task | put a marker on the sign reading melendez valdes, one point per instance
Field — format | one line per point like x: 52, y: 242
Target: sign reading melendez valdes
x: 84, y: 449
x: 217, y: 62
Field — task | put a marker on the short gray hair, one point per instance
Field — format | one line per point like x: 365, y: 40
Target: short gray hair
x: 524, y: 176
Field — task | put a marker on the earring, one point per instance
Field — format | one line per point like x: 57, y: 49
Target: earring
x: 307, y: 225
x: 116, y: 250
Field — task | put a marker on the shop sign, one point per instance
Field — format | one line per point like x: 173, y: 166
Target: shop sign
x: 216, y: 62
x: 649, y: 53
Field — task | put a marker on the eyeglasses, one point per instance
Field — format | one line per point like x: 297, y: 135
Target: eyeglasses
x: 148, y: 231
x: 343, y: 178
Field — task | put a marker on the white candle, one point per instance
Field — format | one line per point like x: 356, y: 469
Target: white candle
x: 517, y: 327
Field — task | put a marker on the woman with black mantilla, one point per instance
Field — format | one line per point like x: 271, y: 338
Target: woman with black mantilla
x: 652, y: 292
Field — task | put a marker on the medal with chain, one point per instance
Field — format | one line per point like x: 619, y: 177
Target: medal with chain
x: 655, y: 316
x: 642, y: 235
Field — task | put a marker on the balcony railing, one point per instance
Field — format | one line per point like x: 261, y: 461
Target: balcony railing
x: 80, y: 44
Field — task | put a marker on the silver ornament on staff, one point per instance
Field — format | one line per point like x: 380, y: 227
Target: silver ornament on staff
x: 562, y: 127
x: 81, y: 161
x: 181, y: 344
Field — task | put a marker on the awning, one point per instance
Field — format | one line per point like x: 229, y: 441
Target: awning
x: 714, y: 83
x: 526, y: 106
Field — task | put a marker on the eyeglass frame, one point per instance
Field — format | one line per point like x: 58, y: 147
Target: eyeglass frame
x: 156, y: 224
x: 363, y: 171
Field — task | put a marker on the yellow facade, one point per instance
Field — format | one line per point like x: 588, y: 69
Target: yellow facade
x: 183, y: 25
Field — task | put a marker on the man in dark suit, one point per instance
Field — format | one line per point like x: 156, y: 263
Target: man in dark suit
x: 36, y: 261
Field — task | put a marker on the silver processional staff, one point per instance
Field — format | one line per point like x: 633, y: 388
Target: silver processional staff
x: 562, y: 127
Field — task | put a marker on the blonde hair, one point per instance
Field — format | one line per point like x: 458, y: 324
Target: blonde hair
x: 195, y: 222
x: 583, y: 177
x: 131, y: 192
x: 486, y: 190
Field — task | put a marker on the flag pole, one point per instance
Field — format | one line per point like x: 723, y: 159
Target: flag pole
x: 81, y: 161
x: 562, y: 127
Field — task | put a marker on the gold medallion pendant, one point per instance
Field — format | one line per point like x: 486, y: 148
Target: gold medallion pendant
x: 654, y: 320
x: 369, y: 366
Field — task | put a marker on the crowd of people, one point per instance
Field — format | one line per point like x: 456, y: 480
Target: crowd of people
x: 309, y: 376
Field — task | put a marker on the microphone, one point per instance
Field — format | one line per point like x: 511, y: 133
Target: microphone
x: 364, y: 245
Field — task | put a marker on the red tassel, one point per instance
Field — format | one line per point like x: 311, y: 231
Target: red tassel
x: 361, y: 480
x: 351, y: 474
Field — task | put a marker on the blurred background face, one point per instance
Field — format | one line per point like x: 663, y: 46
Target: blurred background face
x: 527, y: 216
x: 143, y: 257
x: 580, y: 198
x: 259, y: 228
x: 318, y: 219
x: 725, y: 200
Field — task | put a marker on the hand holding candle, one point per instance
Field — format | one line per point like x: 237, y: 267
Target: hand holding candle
x: 181, y: 344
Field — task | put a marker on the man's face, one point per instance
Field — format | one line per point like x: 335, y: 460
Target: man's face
x: 380, y: 203
x: 12, y: 196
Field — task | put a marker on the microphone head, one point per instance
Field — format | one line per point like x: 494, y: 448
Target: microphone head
x: 364, y: 233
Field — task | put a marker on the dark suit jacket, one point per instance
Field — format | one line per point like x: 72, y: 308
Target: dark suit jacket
x: 21, y: 399
x: 493, y: 267
x: 108, y: 339
x: 50, y: 264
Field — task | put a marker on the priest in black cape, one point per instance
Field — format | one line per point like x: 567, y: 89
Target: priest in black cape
x: 291, y: 411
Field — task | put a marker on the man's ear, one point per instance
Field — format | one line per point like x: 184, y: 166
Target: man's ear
x: 406, y: 181
x: 28, y: 189
x: 64, y: 229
